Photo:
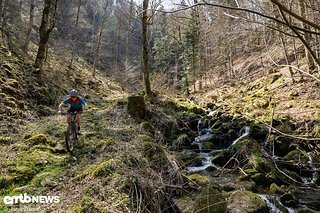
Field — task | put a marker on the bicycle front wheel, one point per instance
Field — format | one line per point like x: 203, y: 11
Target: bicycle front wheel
x: 70, y: 139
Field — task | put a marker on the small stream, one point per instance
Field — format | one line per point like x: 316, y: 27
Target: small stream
x: 205, y: 134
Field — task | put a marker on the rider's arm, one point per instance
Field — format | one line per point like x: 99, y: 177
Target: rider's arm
x: 62, y: 104
x: 84, y: 103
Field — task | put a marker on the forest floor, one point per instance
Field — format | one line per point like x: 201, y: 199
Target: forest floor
x: 265, y: 90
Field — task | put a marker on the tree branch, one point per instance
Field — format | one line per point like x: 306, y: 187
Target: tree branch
x: 313, y: 54
x: 204, y: 3
x: 285, y: 9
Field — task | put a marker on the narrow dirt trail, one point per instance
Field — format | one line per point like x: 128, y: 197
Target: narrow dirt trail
x: 41, y: 165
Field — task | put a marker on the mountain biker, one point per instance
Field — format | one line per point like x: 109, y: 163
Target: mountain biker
x: 76, y: 104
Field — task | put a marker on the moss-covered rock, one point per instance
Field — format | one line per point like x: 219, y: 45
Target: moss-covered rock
x: 221, y: 158
x: 199, y: 179
x: 248, y: 185
x: 210, y: 199
x: 245, y: 202
x: 296, y: 155
x: 259, y: 179
x: 39, y: 139
x: 228, y: 188
x: 286, y: 127
x: 106, y: 168
x: 5, y: 140
x: 274, y: 188
x: 260, y: 164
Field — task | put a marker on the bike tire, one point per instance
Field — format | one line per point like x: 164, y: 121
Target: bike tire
x: 70, y: 139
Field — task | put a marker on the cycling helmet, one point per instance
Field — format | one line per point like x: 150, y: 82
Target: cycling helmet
x: 73, y: 93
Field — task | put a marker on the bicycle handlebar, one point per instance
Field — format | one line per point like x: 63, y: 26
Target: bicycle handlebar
x: 70, y: 113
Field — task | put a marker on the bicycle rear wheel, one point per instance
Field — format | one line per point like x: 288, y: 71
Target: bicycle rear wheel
x: 71, y: 137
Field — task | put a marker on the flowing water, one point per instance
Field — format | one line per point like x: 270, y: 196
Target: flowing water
x: 272, y: 206
x: 246, y: 133
x: 311, y: 180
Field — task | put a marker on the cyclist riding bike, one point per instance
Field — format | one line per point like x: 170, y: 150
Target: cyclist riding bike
x: 76, y: 104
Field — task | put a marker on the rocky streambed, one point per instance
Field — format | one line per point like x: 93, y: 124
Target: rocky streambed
x: 239, y: 166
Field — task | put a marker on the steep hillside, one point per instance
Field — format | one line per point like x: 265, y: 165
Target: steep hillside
x: 116, y: 167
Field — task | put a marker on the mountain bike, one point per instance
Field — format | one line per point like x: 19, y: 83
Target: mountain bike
x: 71, y: 136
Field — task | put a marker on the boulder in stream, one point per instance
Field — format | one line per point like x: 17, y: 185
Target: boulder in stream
x: 246, y: 202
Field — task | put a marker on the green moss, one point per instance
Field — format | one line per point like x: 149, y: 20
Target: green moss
x: 38, y: 139
x: 210, y: 200
x: 199, y: 179
x: 228, y: 188
x: 87, y: 171
x: 89, y: 135
x: 5, y: 140
x: 181, y: 140
x: 208, y: 145
x: 246, y: 201
x: 155, y: 154
x: 274, y: 188
x: 260, y: 164
x: 286, y: 127
x: 87, y: 204
x: 103, y: 144
x: 5, y: 181
x: 147, y: 126
x: 122, y: 182
x: 91, y: 190
x: 248, y: 185
x: 106, y: 168
x: 259, y: 179
x: 49, y: 177
x: 295, y: 156
x: 250, y: 171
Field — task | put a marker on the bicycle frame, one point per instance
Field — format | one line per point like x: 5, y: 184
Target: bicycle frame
x: 71, y: 132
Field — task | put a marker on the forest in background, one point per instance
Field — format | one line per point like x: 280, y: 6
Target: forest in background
x: 190, y: 42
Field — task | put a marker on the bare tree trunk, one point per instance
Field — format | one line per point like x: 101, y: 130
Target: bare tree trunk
x: 306, y: 44
x: 4, y: 17
x: 286, y: 56
x: 96, y: 55
x: 30, y: 25
x: 97, y: 51
x: 74, y: 39
x: 1, y: 11
x: 145, y: 48
x: 117, y: 44
x: 230, y: 61
x: 306, y: 36
x: 126, y: 63
x: 46, y: 27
